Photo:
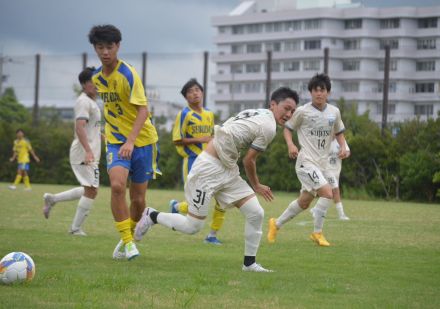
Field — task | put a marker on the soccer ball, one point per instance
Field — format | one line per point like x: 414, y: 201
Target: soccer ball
x: 16, y: 267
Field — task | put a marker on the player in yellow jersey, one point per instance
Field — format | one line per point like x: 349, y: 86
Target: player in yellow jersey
x: 131, y: 138
x: 22, y: 148
x: 193, y: 129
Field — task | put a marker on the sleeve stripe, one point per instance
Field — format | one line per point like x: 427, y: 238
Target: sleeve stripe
x: 257, y: 148
x: 126, y: 72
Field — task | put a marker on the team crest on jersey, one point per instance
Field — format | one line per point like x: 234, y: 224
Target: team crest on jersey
x: 331, y: 120
x: 109, y: 158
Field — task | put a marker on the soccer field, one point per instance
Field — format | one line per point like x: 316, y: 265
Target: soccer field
x: 387, y: 256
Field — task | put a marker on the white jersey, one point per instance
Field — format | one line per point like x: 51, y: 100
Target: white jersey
x: 254, y: 128
x: 87, y: 109
x: 335, y: 163
x: 315, y: 129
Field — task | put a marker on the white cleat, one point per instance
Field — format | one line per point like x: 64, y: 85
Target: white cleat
x: 144, y: 224
x: 48, y: 204
x: 257, y: 268
x: 131, y: 251
x: 119, y: 252
x: 344, y: 218
x: 77, y: 232
x: 12, y: 187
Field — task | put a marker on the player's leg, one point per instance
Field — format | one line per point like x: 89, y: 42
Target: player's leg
x: 339, y: 206
x: 18, y: 178
x: 26, y: 179
x: 137, y: 202
x: 85, y: 204
x: 218, y: 217
x: 324, y: 202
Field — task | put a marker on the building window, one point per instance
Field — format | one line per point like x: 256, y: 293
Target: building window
x: 237, y: 49
x: 293, y: 25
x: 237, y: 29
x: 253, y: 68
x: 391, y: 23
x: 254, y: 28
x: 424, y: 87
x: 236, y: 68
x: 352, y: 44
x: 253, y: 48
x: 393, y: 65
x: 351, y: 65
x: 428, y: 43
x: 235, y: 88
x: 350, y: 86
x: 312, y: 44
x: 430, y: 22
x: 392, y: 43
x: 312, y: 24
x: 353, y: 24
x: 421, y: 110
x: 273, y: 46
x: 391, y: 109
x: 425, y: 65
x: 292, y: 46
x: 311, y: 65
x: 274, y: 27
x: 222, y: 29
x: 253, y: 87
x: 392, y: 87
x: 290, y: 66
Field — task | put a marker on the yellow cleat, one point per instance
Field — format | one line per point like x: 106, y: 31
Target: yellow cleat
x: 273, y: 230
x: 319, y: 239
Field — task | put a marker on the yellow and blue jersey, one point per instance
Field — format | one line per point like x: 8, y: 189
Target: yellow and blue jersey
x: 121, y: 92
x: 190, y: 124
x: 22, y: 148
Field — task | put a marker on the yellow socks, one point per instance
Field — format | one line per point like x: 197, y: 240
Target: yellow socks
x: 183, y: 208
x: 124, y: 228
x: 132, y: 225
x: 17, y: 179
x: 218, y: 218
x: 27, y: 181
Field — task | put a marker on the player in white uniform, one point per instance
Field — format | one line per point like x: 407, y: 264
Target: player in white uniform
x: 316, y: 123
x: 334, y: 168
x: 215, y: 173
x: 85, y: 152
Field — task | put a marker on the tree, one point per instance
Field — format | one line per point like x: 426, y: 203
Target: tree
x: 10, y: 109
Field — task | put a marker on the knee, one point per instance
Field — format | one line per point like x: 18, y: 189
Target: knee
x: 257, y: 214
x: 137, y: 200
x: 118, y: 188
x: 194, y: 226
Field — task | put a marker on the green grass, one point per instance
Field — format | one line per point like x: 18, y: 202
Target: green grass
x: 387, y: 256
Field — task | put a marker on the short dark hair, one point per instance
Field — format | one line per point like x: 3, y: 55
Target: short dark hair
x: 191, y: 83
x: 283, y: 93
x: 320, y: 80
x: 86, y: 75
x: 19, y: 130
x: 104, y: 34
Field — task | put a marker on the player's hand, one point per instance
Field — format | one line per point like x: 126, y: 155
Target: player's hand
x: 343, y: 154
x: 126, y: 151
x: 11, y: 159
x: 265, y: 192
x: 37, y: 159
x: 89, y: 158
x: 293, y: 151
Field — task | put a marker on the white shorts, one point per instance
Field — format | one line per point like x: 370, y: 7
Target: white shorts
x: 210, y: 178
x: 87, y: 175
x: 312, y: 178
x: 334, y: 178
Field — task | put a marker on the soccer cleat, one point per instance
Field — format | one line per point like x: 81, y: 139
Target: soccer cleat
x: 12, y: 187
x: 312, y: 211
x: 173, y: 206
x: 212, y: 240
x: 119, y: 251
x: 344, y: 218
x: 48, y: 204
x: 131, y: 251
x: 319, y: 239
x: 144, y: 224
x: 273, y: 230
x: 257, y: 268
x: 77, y: 232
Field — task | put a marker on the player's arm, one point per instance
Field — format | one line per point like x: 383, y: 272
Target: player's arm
x: 340, y: 138
x: 192, y: 140
x: 36, y: 158
x: 127, y: 148
x: 80, y: 129
x: 291, y: 147
x: 14, y: 156
x: 250, y: 167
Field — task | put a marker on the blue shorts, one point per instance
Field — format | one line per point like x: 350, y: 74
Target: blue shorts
x: 23, y: 166
x: 143, y: 164
x: 186, y: 166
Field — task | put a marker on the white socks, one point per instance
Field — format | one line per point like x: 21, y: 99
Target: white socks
x: 291, y: 211
x: 320, y: 211
x: 340, y: 209
x: 83, y: 209
x: 69, y: 195
x: 254, y: 214
x: 185, y: 224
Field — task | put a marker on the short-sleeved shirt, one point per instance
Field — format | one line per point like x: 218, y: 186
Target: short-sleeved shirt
x: 87, y: 109
x: 191, y: 124
x: 316, y: 129
x: 252, y: 128
x: 22, y: 148
x: 121, y: 92
x: 335, y: 163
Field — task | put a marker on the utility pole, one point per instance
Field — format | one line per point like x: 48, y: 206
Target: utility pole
x: 84, y: 60
x: 268, y: 76
x: 35, y: 112
x: 386, y: 83
x: 205, y: 77
x: 144, y: 70
x: 1, y: 74
x: 326, y: 56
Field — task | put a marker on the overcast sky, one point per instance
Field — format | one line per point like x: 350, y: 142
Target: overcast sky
x: 173, y: 32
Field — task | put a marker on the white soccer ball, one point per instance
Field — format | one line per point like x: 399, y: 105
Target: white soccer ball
x: 16, y: 267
